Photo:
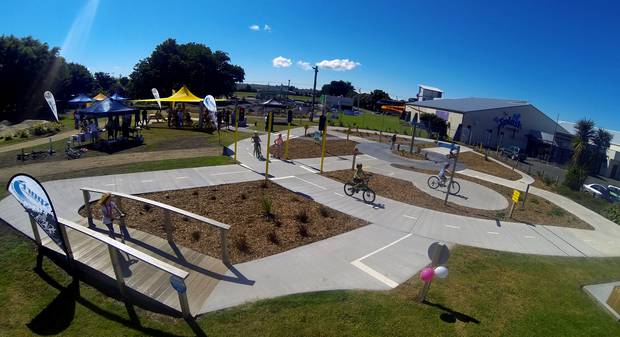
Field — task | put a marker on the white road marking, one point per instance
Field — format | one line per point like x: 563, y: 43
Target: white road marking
x: 369, y: 156
x: 380, y: 277
x: 529, y: 237
x: 375, y: 274
x: 494, y: 233
x: 225, y: 173
x: 410, y: 217
x: 311, y: 183
x: 109, y: 185
x: 147, y: 181
x: 244, y: 165
x: 181, y: 178
x: 280, y: 178
x: 587, y: 240
x: 308, y: 168
x: 336, y: 193
x: 454, y: 227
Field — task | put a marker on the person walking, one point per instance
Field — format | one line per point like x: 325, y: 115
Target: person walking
x: 108, y: 208
x: 393, y: 142
x: 279, y: 142
x: 144, y: 118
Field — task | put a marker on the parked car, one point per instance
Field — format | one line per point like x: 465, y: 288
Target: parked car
x: 597, y: 191
x: 614, y: 191
x: 513, y: 152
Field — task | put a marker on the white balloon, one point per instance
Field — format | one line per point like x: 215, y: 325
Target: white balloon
x: 441, y: 272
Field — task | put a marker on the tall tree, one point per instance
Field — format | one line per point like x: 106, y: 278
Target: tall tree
x: 75, y: 80
x: 105, y: 82
x: 172, y: 65
x: 584, y: 131
x: 338, y: 88
x: 602, y: 141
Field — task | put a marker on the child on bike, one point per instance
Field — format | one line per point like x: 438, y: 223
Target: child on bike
x: 359, y: 176
x: 443, y: 173
x: 256, y: 141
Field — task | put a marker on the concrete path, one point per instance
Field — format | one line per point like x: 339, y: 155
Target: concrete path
x: 386, y: 252
x: 36, y: 142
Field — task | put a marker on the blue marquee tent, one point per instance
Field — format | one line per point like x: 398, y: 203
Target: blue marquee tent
x: 107, y: 108
x: 81, y: 98
x: 118, y: 97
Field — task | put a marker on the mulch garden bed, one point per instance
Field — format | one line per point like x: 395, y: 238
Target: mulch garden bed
x: 538, y: 211
x: 478, y: 163
x: 307, y: 147
x: 265, y: 219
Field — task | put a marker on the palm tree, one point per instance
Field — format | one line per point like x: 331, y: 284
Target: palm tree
x: 584, y: 134
x: 602, y: 140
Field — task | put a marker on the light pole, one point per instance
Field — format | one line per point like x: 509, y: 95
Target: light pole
x: 316, y: 71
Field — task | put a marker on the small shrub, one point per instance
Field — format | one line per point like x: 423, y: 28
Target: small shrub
x: 8, y: 137
x: 23, y: 134
x: 264, y: 184
x: 500, y: 215
x: 243, y: 245
x: 575, y: 177
x: 302, y: 216
x: 167, y: 196
x: 535, y: 201
x: 303, y: 230
x: 324, y: 211
x: 195, y: 235
x: 212, y: 197
x: 612, y: 213
x: 273, y: 238
x: 243, y: 196
x: 186, y: 219
x: 267, y: 206
x: 146, y: 207
x: 556, y: 211
x: 195, y: 193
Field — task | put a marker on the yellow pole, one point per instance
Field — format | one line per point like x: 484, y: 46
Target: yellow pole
x: 288, y: 135
x: 323, y: 147
x: 270, y: 116
x: 236, y: 129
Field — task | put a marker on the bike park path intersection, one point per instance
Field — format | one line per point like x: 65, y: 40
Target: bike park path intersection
x: 388, y: 251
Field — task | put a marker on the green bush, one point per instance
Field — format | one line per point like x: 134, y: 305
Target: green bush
x: 8, y: 137
x: 612, y: 213
x: 575, y: 177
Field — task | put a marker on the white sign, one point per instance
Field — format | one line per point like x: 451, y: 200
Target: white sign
x: 156, y: 95
x: 49, y: 97
x: 31, y: 195
x: 209, y: 103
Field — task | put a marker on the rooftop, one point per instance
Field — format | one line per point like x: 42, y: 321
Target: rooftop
x: 463, y: 105
x: 428, y: 87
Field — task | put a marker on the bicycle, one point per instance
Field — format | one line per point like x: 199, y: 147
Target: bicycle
x: 368, y: 194
x: 434, y: 182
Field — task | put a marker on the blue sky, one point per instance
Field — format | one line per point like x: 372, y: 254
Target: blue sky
x: 563, y: 57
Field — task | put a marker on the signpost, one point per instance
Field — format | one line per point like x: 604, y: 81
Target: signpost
x: 323, y: 128
x: 236, y: 129
x: 414, y: 126
x: 515, y: 199
x: 439, y: 254
x: 269, y: 121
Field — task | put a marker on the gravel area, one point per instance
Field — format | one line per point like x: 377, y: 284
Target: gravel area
x: 293, y: 220
x: 476, y: 162
x: 306, y: 147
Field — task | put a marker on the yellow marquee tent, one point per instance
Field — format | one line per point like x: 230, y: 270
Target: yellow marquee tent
x: 100, y: 97
x: 181, y: 96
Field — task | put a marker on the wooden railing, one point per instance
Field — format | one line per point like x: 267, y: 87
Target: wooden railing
x: 177, y: 275
x: 223, y: 228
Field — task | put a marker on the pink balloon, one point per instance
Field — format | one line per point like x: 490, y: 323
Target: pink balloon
x: 427, y: 274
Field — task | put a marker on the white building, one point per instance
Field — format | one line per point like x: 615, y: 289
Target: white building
x: 427, y: 93
x: 497, y: 122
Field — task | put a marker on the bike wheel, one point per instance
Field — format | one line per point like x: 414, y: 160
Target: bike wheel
x: 349, y: 189
x: 369, y: 196
x: 455, y: 188
x: 433, y: 182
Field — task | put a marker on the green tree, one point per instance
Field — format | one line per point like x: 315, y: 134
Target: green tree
x: 601, y: 140
x: 105, y: 82
x: 172, y: 65
x: 338, y: 88
x: 434, y: 124
x: 584, y: 132
x: 76, y: 79
x: 369, y: 101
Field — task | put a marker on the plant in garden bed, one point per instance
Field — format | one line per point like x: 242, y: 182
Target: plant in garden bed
x: 303, y: 230
x: 195, y: 235
x: 267, y: 206
x: 302, y: 216
x: 243, y: 245
x: 273, y: 238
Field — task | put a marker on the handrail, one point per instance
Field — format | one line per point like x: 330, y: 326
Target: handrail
x: 201, y: 218
x: 163, y: 266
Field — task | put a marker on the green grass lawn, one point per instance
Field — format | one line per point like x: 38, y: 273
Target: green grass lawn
x: 507, y: 294
x: 378, y: 122
x: 260, y: 123
x: 244, y: 94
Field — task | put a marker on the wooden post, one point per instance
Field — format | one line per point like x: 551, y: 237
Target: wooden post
x: 527, y: 190
x: 118, y: 271
x: 35, y: 230
x: 415, y: 125
x: 288, y: 136
x: 224, y: 243
x: 323, y: 146
x: 269, y: 121
x: 168, y: 226
x: 89, y: 213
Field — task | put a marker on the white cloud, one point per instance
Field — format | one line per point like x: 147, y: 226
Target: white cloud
x: 267, y: 28
x: 304, y: 65
x: 255, y: 27
x: 281, y: 62
x: 338, y: 64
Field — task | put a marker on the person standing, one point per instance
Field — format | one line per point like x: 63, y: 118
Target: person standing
x: 108, y: 210
x: 393, y: 142
x: 256, y: 141
x: 279, y: 142
x: 144, y: 118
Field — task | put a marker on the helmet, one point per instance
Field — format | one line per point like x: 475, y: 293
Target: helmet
x: 358, y: 165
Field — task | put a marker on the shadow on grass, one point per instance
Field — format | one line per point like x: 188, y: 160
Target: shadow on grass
x: 451, y: 316
x: 60, y: 313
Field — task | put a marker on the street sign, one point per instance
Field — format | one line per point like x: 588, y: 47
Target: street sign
x: 515, y: 195
x: 440, y: 252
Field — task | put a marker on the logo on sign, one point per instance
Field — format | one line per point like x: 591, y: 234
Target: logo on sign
x: 514, y: 121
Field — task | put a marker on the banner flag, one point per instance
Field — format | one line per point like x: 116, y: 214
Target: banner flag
x: 49, y: 97
x: 32, y: 196
x: 209, y: 103
x: 156, y: 95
